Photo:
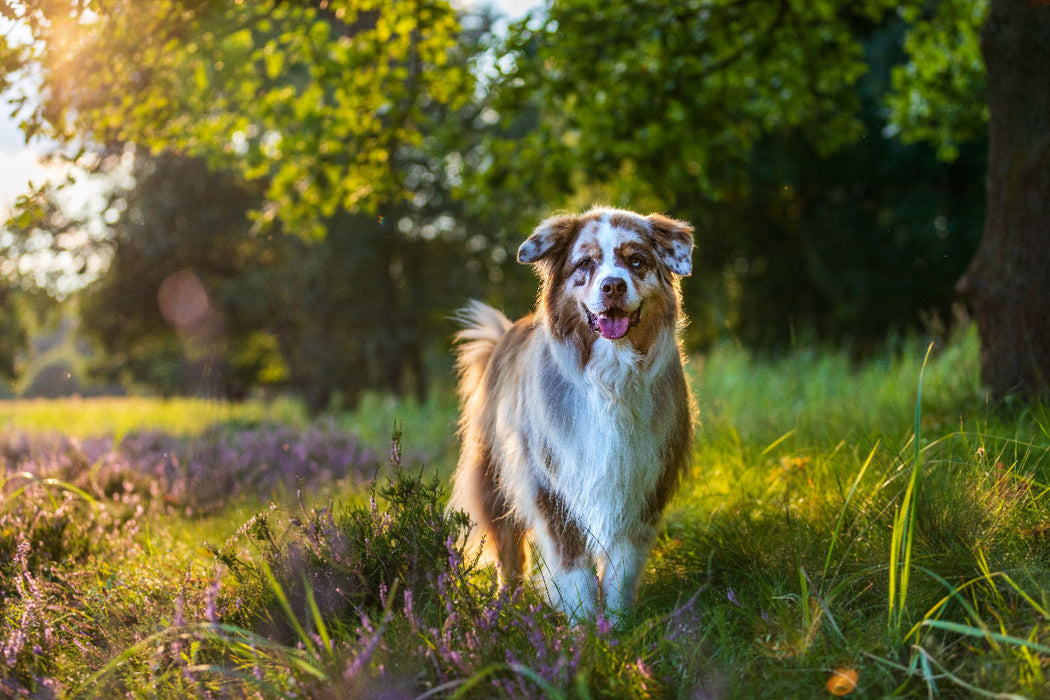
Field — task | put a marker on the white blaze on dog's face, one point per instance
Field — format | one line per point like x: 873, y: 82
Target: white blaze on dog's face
x: 610, y: 273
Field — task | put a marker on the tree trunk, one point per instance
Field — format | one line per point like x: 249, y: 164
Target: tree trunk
x: 1008, y: 283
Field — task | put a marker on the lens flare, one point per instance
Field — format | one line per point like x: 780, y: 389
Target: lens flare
x: 182, y: 299
x: 843, y: 681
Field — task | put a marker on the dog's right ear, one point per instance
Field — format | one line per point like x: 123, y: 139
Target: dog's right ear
x: 548, y: 237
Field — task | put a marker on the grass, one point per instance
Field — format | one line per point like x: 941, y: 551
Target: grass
x: 89, y: 417
x: 839, y: 533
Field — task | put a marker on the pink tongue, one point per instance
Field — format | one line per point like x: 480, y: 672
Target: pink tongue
x: 613, y: 327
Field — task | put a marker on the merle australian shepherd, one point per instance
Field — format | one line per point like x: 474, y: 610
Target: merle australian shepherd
x: 577, y: 420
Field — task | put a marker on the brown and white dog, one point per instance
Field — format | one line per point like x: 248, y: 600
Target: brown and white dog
x: 577, y: 419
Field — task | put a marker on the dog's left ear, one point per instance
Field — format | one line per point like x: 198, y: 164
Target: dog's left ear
x: 548, y: 237
x: 673, y: 242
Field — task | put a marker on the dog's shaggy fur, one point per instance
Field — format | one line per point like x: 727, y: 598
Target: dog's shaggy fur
x: 577, y: 419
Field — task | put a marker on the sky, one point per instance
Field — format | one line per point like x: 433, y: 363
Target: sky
x: 21, y: 164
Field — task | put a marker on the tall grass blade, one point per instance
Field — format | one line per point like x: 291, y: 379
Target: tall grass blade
x: 903, y: 535
x: 918, y: 401
x: 928, y: 675
x: 1021, y: 592
x: 315, y: 612
x: 772, y: 446
x: 286, y: 606
x: 57, y: 483
x: 845, y: 507
x: 971, y: 631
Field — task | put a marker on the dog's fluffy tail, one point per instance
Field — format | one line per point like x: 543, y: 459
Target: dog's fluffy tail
x: 483, y: 326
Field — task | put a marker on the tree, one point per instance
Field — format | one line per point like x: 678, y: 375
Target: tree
x: 237, y: 311
x: 999, y: 71
x: 666, y: 102
x: 1008, y: 282
x: 13, y: 337
x: 749, y: 118
x: 669, y: 98
x: 164, y: 313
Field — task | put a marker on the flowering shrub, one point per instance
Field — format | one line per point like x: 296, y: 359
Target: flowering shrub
x: 198, y: 473
x: 374, y: 598
x: 418, y: 614
x: 46, y: 531
x: 70, y: 510
x: 347, y: 560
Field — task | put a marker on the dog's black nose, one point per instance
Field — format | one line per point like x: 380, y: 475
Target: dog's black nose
x: 613, y: 287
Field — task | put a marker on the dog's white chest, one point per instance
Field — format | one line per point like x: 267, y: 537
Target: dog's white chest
x: 610, y: 462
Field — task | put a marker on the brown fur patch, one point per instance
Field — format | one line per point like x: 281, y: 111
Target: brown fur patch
x: 659, y: 312
x: 564, y: 318
x: 675, y: 456
x: 505, y: 531
x: 508, y: 352
x: 627, y: 252
x: 549, y: 238
x: 628, y: 222
x: 566, y: 534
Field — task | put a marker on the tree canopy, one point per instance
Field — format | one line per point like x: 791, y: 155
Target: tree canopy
x: 676, y: 95
x: 313, y: 99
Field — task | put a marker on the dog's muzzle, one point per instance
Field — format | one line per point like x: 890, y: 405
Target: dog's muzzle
x: 613, y: 323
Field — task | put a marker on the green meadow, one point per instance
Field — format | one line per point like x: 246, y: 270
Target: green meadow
x: 867, y: 528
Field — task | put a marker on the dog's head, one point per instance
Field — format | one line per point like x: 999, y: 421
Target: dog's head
x: 610, y: 274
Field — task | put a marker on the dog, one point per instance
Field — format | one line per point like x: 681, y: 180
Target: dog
x: 576, y: 420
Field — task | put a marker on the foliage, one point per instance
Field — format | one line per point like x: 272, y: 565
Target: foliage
x: 42, y: 534
x: 939, y: 92
x: 12, y: 331
x: 312, y: 100
x: 680, y: 94
x: 330, y: 318
x: 348, y: 560
x: 845, y: 248
x: 178, y: 219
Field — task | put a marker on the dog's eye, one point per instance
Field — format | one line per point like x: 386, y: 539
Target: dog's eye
x: 636, y: 261
x: 585, y: 265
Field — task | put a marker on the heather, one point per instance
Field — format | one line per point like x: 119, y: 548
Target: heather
x: 199, y: 472
x: 835, y: 536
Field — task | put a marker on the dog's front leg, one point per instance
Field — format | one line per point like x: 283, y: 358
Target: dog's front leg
x: 566, y: 575
x: 573, y: 590
x: 620, y: 568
